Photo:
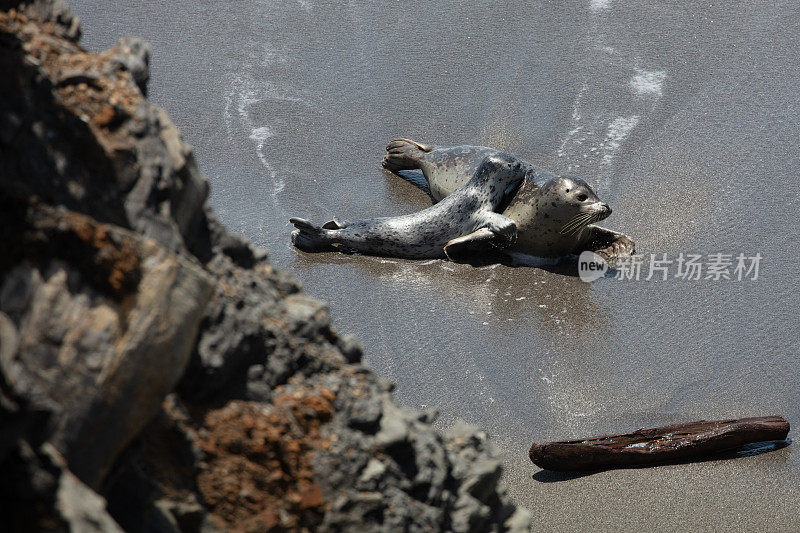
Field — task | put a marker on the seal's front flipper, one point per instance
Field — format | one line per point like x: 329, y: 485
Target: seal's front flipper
x: 476, y: 241
x: 404, y: 154
x: 498, y: 232
x: 610, y: 244
x: 502, y: 226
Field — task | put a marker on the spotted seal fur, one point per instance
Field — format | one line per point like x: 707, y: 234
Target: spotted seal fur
x: 462, y: 219
x: 555, y: 215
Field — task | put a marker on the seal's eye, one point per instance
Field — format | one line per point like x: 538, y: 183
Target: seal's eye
x: 582, y: 197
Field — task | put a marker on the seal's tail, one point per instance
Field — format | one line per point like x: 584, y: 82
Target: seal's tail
x: 310, y: 238
x: 404, y: 154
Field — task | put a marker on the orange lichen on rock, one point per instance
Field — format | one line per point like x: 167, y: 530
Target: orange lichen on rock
x: 110, y: 257
x: 86, y: 83
x: 117, y: 259
x: 258, y: 474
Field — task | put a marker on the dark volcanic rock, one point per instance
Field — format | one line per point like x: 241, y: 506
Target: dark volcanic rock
x: 118, y: 159
x: 150, y: 355
x: 98, y: 321
x: 39, y: 493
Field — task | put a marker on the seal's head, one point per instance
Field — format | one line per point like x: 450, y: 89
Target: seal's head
x: 571, y: 203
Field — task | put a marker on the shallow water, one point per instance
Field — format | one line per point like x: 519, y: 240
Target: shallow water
x: 684, y: 118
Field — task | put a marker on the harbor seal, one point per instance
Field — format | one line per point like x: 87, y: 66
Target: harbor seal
x: 463, y: 218
x: 555, y: 215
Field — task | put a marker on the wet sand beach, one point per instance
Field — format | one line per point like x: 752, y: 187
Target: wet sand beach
x: 684, y: 118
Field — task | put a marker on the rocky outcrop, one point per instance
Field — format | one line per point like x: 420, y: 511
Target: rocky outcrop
x: 46, y: 496
x: 98, y: 321
x: 156, y: 372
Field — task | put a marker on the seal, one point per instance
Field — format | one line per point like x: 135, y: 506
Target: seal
x: 555, y: 215
x: 465, y: 217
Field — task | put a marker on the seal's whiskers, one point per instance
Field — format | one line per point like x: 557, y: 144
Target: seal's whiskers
x: 576, y: 223
x: 566, y: 228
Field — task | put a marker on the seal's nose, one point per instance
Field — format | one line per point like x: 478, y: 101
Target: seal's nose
x: 607, y: 209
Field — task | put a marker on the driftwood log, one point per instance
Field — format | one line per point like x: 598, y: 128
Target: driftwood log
x: 647, y: 446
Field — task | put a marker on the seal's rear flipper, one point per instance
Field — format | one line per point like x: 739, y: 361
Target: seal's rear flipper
x: 404, y: 154
x: 478, y: 241
x: 334, y: 224
x: 310, y: 238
